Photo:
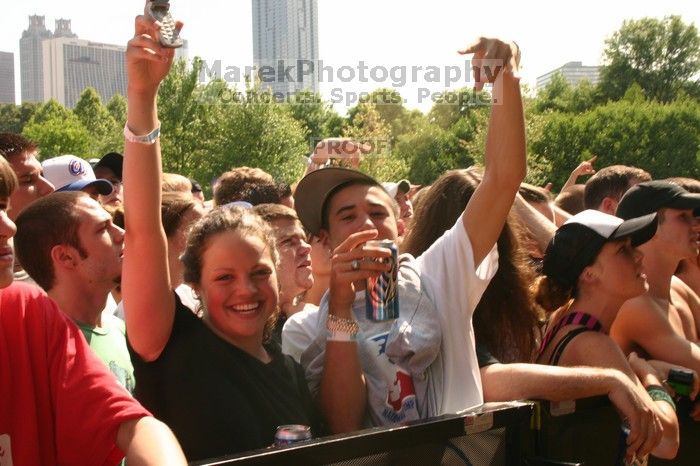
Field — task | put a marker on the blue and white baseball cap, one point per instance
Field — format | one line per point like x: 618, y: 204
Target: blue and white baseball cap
x: 71, y: 173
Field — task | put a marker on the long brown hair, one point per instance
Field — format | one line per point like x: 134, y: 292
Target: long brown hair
x: 506, y: 318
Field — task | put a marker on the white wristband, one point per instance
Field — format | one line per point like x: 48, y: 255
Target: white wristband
x: 149, y: 138
x: 341, y: 336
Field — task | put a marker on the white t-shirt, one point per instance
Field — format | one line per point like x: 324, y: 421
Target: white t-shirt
x: 455, y: 286
x: 296, y: 337
x: 450, y: 280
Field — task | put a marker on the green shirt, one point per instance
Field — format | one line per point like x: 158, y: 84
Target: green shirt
x: 109, y: 344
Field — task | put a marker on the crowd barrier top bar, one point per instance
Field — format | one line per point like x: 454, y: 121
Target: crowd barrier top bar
x: 423, y: 441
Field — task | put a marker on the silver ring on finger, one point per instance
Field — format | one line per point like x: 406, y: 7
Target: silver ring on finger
x: 355, y: 264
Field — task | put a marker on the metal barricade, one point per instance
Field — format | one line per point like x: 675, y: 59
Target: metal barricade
x: 489, y: 435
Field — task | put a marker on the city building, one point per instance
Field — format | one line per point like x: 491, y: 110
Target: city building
x: 285, y: 38
x: 7, y: 78
x: 70, y: 65
x: 574, y: 72
x: 31, y: 61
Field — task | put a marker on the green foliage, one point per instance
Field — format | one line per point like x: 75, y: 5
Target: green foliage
x: 661, y: 55
x: 117, y: 108
x: 103, y: 129
x: 262, y: 133
x: 316, y: 115
x: 57, y: 131
x: 560, y: 96
x: 369, y: 127
x: 660, y: 138
x: 14, y: 117
x: 389, y: 105
x: 431, y: 151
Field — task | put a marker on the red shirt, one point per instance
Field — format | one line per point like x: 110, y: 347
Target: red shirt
x: 59, y: 404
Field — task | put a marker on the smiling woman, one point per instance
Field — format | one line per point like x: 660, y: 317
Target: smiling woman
x: 216, y: 380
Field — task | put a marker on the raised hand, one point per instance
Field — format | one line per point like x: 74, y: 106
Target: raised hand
x: 147, y: 62
x: 493, y: 58
x: 353, y: 261
x: 349, y: 152
x: 585, y: 168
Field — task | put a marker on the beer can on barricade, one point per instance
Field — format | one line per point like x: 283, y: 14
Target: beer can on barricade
x: 291, y: 433
x: 382, y: 292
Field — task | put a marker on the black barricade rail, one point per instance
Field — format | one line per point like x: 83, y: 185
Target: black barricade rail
x: 540, y: 433
x: 585, y: 431
x: 489, y: 435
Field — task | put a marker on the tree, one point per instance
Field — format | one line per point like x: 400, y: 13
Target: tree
x: 379, y: 161
x: 662, y: 56
x: 104, y: 131
x: 117, y: 108
x: 57, y: 131
x: 262, y: 133
x: 389, y: 105
x: 317, y: 116
x: 192, y: 118
x: 660, y: 138
x: 13, y: 117
x: 431, y: 151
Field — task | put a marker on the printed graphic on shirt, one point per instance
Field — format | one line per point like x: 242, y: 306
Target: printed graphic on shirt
x: 5, y: 450
x: 400, y: 399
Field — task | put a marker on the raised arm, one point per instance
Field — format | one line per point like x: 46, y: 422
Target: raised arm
x: 148, y: 300
x: 505, y: 163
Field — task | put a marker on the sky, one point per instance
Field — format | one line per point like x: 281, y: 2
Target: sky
x: 379, y: 33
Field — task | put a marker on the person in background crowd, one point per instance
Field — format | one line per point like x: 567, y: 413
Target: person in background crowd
x: 71, y: 173
x: 21, y: 154
x: 294, y: 268
x: 172, y: 182
x: 570, y: 199
x: 605, y: 189
x: 197, y: 191
x: 688, y: 271
x: 591, y: 267
x: 59, y: 404
x: 661, y: 322
x: 213, y: 379
x: 231, y: 185
x: 109, y: 168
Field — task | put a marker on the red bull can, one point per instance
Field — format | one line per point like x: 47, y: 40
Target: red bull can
x: 382, y: 292
x: 291, y: 433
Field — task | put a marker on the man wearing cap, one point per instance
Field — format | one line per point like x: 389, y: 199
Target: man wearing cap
x: 423, y: 363
x: 109, y: 168
x: 71, y: 173
x: 660, y: 323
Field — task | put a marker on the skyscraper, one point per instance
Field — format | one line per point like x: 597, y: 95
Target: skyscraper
x: 70, y: 65
x: 30, y: 59
x: 285, y: 37
x: 7, y: 78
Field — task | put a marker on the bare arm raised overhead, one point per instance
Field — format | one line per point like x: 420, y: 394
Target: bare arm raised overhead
x: 497, y: 62
x: 148, y: 299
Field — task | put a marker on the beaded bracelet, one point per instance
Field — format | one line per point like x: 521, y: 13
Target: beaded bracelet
x: 340, y: 329
x: 659, y: 393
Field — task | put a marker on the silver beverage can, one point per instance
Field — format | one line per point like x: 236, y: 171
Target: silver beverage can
x: 382, y: 292
x: 291, y: 433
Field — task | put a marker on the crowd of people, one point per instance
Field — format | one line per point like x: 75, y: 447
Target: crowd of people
x: 139, y: 320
